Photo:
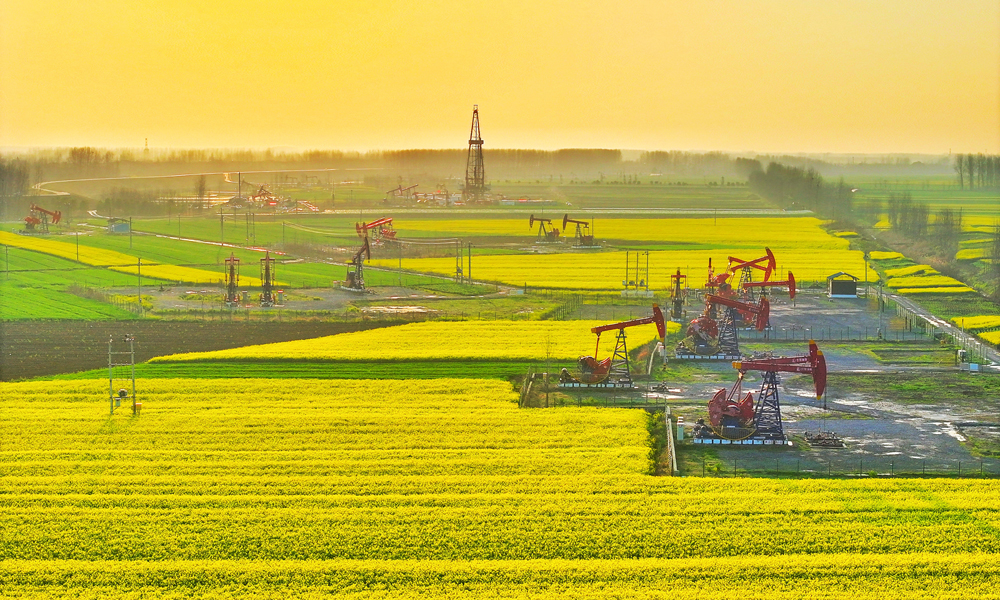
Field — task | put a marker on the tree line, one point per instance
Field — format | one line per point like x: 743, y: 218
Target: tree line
x: 797, y: 188
x: 977, y: 170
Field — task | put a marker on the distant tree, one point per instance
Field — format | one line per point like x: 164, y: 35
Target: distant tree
x: 946, y: 231
x: 201, y: 192
x: 970, y: 170
x: 959, y: 167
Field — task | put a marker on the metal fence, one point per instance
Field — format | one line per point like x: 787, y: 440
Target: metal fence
x: 835, y: 334
x: 833, y: 465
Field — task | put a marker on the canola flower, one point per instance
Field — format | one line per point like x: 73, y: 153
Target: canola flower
x: 971, y: 253
x: 959, y: 289
x: 911, y: 270
x: 603, y: 270
x: 436, y: 488
x: 442, y: 340
x: 977, y: 322
x: 726, y: 232
x: 881, y: 255
x: 117, y: 261
x: 916, y: 281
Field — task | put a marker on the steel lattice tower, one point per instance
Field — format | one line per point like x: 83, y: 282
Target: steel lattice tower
x: 475, y: 173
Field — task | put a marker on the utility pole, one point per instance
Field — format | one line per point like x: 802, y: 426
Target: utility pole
x: 138, y: 272
x: 469, y: 274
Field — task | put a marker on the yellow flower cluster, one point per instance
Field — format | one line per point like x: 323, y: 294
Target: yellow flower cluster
x: 800, y: 245
x: 117, y: 261
x: 436, y: 488
x: 979, y: 322
x: 441, y: 340
x: 728, y: 232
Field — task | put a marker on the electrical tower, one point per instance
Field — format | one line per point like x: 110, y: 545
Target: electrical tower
x: 475, y: 174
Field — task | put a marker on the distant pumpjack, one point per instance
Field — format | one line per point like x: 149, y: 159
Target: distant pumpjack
x: 267, y: 280
x: 475, y: 173
x: 232, y: 296
x: 677, y: 313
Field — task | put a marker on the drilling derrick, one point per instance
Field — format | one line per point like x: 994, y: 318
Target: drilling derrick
x: 475, y: 174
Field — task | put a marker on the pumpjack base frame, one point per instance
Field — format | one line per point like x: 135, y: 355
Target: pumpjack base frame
x: 586, y: 247
x: 357, y: 290
x: 604, y: 385
x: 638, y: 294
x: 751, y: 441
x: 722, y: 356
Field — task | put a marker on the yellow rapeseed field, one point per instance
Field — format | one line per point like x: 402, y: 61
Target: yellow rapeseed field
x: 880, y: 255
x: 751, y: 233
x: 911, y: 270
x: 605, y: 270
x: 978, y: 322
x: 800, y: 245
x: 437, y: 488
x: 915, y: 281
x: 958, y: 289
x: 442, y: 340
x: 117, y: 261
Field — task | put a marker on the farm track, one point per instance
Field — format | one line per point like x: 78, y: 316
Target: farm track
x: 40, y: 348
x: 965, y: 339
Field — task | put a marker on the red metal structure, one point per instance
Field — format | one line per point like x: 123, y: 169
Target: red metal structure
x: 232, y: 297
x: 402, y: 192
x: 790, y: 283
x: 267, y: 280
x: 706, y: 336
x: 677, y: 312
x: 475, y: 187
x: 379, y: 230
x: 584, y: 235
x: 715, y: 281
x: 38, y: 219
x: 746, y: 268
x: 356, y: 277
x: 734, y: 416
x: 616, y: 368
x: 546, y: 232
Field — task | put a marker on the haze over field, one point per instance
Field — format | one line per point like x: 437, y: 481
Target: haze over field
x: 762, y: 75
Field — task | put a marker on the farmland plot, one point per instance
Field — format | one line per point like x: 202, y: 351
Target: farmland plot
x: 436, y: 488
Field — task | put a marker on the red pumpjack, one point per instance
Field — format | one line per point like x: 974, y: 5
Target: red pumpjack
x: 355, y: 271
x: 706, y: 336
x: 379, y: 230
x: 765, y: 263
x: 546, y: 232
x: 584, y: 236
x: 38, y: 221
x: 616, y: 368
x: 734, y: 416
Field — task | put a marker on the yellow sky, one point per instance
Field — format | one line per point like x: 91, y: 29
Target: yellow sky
x: 762, y: 75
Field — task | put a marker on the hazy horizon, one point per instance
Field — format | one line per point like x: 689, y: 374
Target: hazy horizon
x: 763, y: 77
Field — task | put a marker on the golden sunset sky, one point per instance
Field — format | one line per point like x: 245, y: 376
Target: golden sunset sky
x: 750, y: 75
